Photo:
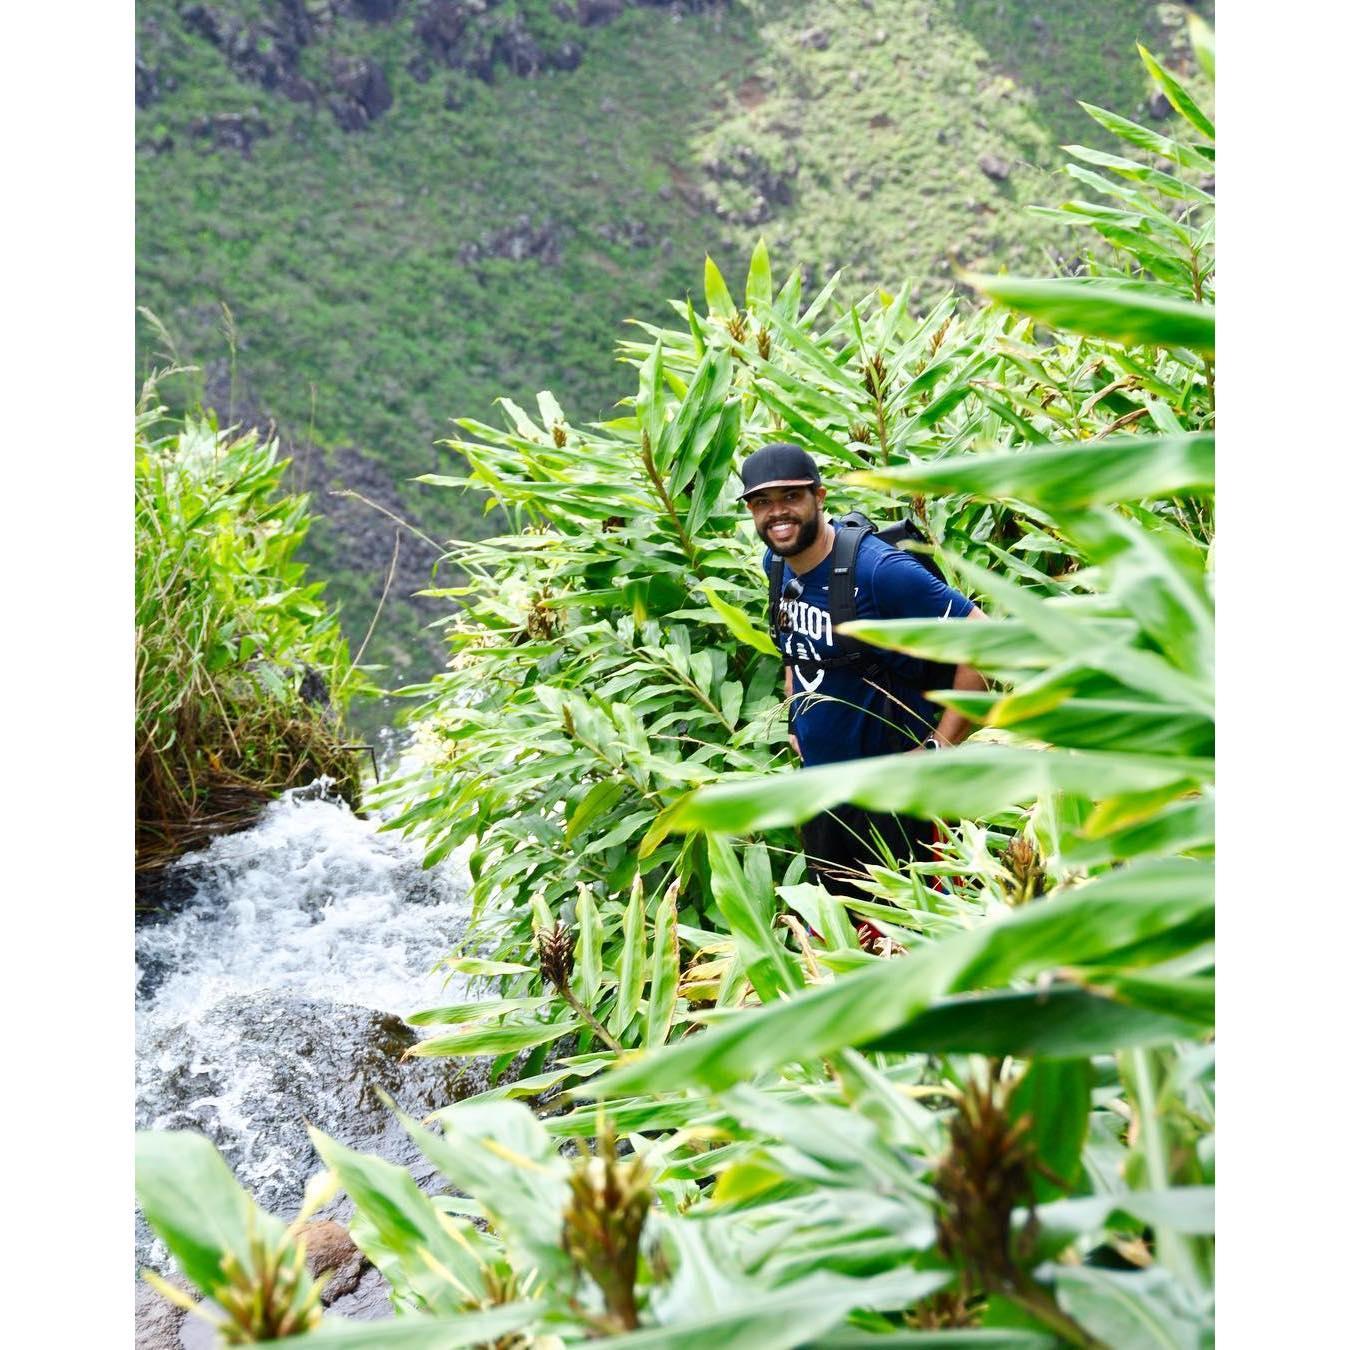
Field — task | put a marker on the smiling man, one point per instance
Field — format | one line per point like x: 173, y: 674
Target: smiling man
x: 847, y: 700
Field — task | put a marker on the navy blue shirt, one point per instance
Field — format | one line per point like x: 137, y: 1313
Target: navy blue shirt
x: 837, y: 714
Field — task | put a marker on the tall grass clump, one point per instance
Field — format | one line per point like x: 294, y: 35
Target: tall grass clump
x: 241, y: 670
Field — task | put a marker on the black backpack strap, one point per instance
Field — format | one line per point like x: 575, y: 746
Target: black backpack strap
x: 848, y: 534
x: 775, y: 595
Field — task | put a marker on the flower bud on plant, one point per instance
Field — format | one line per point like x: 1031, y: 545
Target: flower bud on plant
x: 602, y: 1225
x: 875, y: 376
x: 1023, y: 861
x: 555, y: 956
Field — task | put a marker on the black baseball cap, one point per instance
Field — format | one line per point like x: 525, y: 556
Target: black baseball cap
x: 779, y: 464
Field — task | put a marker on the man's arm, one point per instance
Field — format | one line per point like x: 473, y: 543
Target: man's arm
x: 787, y: 686
x: 952, y: 728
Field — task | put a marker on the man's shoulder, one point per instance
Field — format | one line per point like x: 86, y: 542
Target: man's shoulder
x: 874, y: 552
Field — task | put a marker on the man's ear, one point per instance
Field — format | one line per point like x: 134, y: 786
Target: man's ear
x: 820, y: 495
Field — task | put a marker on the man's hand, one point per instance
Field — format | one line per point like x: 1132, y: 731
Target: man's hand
x: 792, y: 741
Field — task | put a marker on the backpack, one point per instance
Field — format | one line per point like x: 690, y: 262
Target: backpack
x: 849, y: 531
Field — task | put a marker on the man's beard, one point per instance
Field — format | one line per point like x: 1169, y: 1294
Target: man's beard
x: 807, y: 531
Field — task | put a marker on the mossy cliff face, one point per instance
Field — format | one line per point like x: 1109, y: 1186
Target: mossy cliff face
x: 364, y: 217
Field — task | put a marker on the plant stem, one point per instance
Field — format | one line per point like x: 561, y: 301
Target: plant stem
x: 589, y: 1017
x: 1027, y: 1294
x: 1173, y: 1252
x: 658, y: 483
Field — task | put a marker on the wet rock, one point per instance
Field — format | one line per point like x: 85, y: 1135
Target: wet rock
x: 368, y: 1302
x: 1158, y: 106
x: 196, y: 1333
x: 361, y: 92
x: 816, y: 39
x: 994, y: 166
x: 253, y: 1069
x: 158, y: 1321
x: 329, y: 1248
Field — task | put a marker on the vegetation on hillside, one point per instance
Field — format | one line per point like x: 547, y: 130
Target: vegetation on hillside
x: 998, y: 1128
x: 241, y: 669
x: 355, y: 284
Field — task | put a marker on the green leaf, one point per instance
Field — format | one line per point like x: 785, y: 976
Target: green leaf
x: 1149, y: 911
x: 1157, y: 574
x: 983, y: 1338
x: 759, y: 283
x: 190, y: 1198
x: 1105, y: 311
x: 410, y: 1331
x: 598, y: 799
x: 621, y: 833
x: 1176, y: 94
x: 1123, y: 469
x: 1202, y: 41
x: 632, y: 960
x: 498, y: 1153
x: 1002, y: 644
x: 1146, y: 1310
x: 748, y: 910
x: 1057, y: 1095
x: 665, y: 968
x: 408, y: 1224
x: 780, y: 1319
x: 508, y: 1038
x: 715, y: 291
x: 1190, y: 998
x: 1152, y: 141
x: 478, y: 1010
x: 1058, y: 1021
x: 826, y: 915
x: 1188, y: 1210
x: 590, y: 940
x: 474, y: 965
x: 970, y: 782
x: 740, y: 623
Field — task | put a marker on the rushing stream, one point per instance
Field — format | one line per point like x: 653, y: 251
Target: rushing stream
x: 272, y: 993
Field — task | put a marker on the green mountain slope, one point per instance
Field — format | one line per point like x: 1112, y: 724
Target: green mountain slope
x: 364, y: 217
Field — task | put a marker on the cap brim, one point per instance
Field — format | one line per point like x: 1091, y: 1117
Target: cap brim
x: 777, y: 483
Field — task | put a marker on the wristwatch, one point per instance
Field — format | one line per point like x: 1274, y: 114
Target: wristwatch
x: 932, y: 743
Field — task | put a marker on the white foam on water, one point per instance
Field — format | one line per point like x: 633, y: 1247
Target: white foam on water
x: 311, y: 901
